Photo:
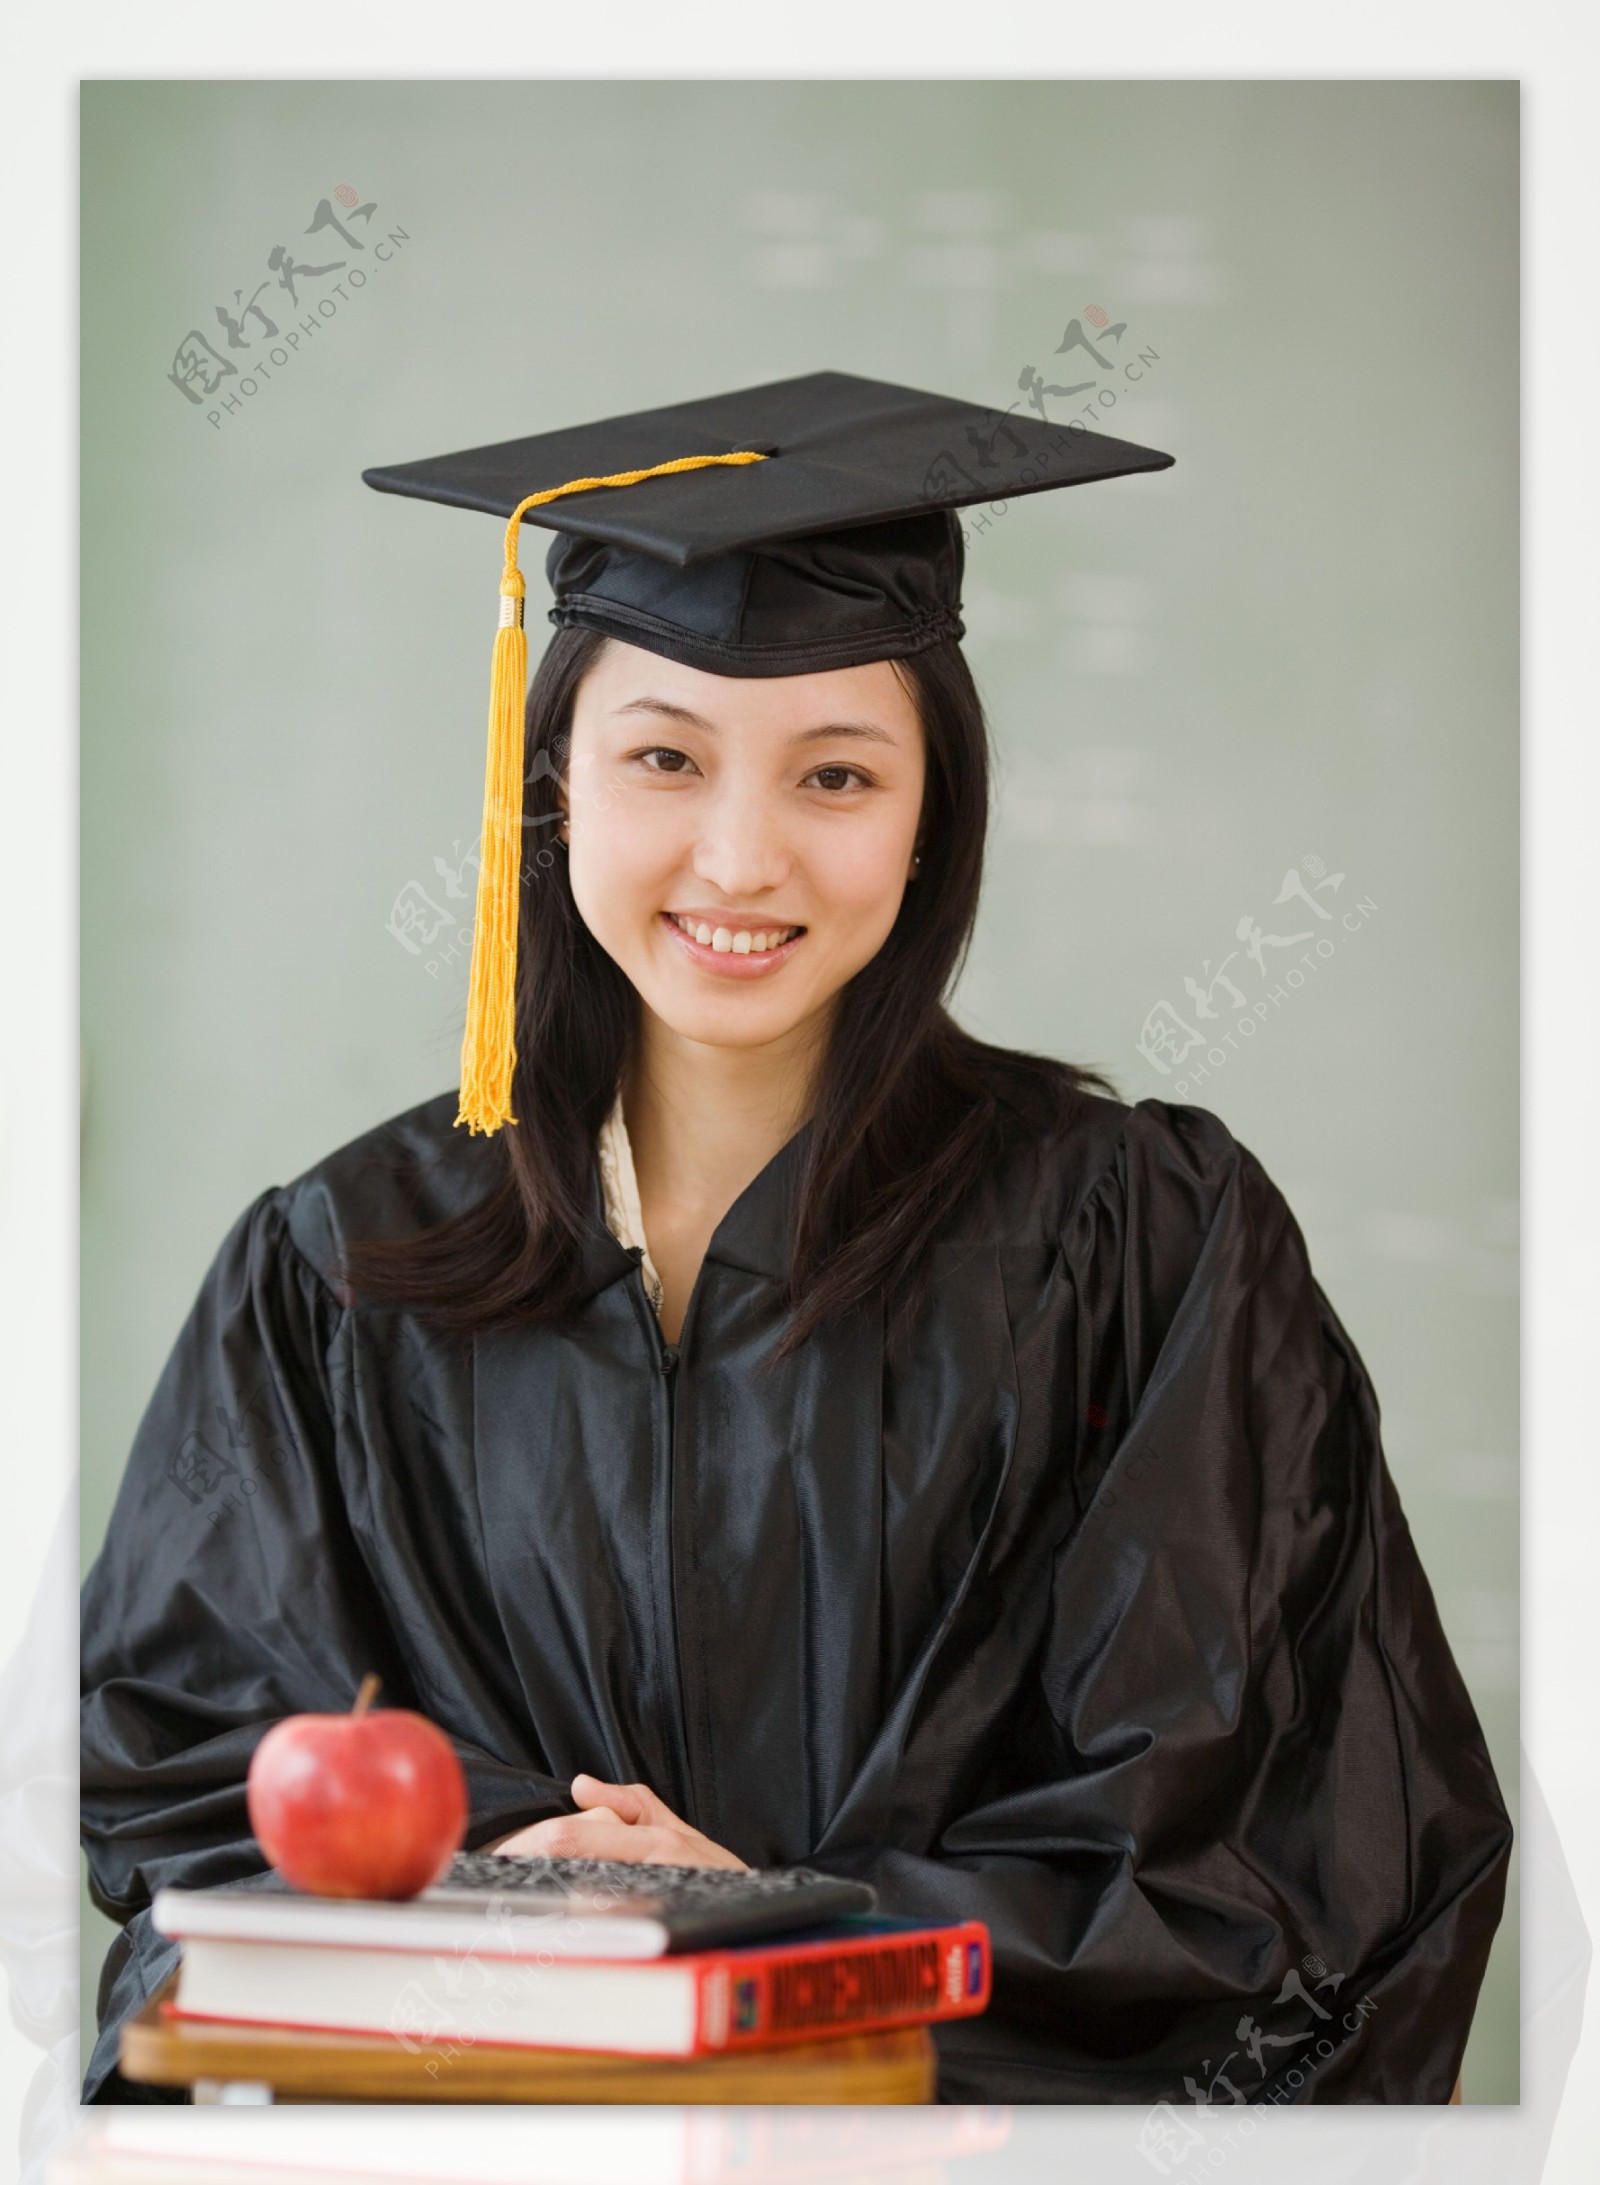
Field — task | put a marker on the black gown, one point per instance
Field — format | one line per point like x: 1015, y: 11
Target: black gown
x: 1086, y: 1607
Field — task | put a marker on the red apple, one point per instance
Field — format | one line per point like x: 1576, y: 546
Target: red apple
x: 357, y: 1805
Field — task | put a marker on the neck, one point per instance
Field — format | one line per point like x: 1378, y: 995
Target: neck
x: 703, y: 1121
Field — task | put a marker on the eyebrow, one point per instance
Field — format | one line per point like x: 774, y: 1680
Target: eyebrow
x: 867, y: 731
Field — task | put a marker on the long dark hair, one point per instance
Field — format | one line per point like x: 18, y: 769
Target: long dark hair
x: 909, y: 1110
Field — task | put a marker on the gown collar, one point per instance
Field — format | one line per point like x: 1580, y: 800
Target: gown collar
x: 753, y: 1235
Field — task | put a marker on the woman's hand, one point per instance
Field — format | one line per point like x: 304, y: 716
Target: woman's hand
x: 619, y: 1821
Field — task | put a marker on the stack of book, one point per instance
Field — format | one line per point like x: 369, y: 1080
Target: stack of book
x: 576, y: 1954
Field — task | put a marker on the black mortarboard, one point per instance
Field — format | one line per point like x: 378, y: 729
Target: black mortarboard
x: 838, y: 547
x: 779, y: 530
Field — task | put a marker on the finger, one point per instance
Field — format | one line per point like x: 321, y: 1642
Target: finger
x: 599, y: 1834
x: 697, y: 1850
x: 602, y: 1833
x: 641, y: 1845
x: 591, y: 1793
x: 561, y: 1830
x: 635, y: 1802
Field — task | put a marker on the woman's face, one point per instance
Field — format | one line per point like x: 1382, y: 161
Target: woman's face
x: 707, y: 811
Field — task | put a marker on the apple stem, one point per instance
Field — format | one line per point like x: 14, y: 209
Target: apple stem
x: 368, y: 1692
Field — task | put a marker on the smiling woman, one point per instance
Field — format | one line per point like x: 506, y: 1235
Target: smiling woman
x: 989, y: 1505
x: 754, y: 851
x: 762, y: 812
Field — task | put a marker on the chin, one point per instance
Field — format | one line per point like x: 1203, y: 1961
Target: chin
x: 734, y: 1023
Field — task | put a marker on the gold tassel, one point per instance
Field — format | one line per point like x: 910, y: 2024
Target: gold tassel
x: 488, y: 1051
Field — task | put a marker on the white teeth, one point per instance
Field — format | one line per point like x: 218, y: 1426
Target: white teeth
x: 727, y: 940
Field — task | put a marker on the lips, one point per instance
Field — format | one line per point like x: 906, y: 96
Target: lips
x: 730, y: 962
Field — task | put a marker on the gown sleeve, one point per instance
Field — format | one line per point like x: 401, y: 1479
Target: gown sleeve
x: 1241, y: 1839
x: 230, y: 1591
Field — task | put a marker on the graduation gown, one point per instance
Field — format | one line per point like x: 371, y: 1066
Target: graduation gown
x: 1085, y: 1606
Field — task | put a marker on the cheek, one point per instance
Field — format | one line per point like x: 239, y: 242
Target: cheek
x: 619, y: 863
x: 860, y: 879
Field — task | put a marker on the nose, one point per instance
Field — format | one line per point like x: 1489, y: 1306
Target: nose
x: 741, y: 850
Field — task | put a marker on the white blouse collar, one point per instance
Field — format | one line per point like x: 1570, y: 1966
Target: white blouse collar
x: 624, y: 1217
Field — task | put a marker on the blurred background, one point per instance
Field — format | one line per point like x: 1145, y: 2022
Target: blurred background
x: 1256, y: 716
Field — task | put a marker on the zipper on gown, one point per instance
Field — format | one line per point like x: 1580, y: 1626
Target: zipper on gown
x: 666, y: 1353
x: 666, y: 1357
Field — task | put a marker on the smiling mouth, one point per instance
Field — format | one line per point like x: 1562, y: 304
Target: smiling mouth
x: 735, y: 940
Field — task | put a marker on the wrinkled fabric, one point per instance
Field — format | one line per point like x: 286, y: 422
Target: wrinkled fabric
x: 1085, y: 1606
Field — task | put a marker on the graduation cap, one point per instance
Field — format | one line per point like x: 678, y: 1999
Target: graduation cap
x: 785, y: 529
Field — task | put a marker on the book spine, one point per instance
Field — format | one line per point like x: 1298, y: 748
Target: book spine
x: 761, y: 1999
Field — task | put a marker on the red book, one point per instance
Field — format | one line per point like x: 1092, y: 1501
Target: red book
x: 854, y: 1974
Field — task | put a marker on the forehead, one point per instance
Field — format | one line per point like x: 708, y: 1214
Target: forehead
x: 628, y: 685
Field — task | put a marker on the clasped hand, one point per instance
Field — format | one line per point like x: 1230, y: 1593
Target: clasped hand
x: 619, y: 1821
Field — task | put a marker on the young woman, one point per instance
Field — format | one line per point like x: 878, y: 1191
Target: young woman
x: 798, y: 1431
